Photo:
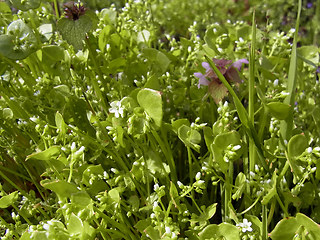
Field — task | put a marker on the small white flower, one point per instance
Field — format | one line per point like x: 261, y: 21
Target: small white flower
x: 156, y: 187
x: 46, y: 226
x: 179, y: 184
x: 245, y: 226
x: 198, y: 176
x: 116, y: 109
x: 235, y: 148
x: 168, y: 230
x: 276, y: 82
x: 309, y: 149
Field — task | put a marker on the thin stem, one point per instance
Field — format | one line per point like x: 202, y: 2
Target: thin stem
x: 264, y: 223
x: 252, y: 148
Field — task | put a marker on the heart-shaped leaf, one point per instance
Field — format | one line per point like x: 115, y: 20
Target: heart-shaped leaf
x: 74, y: 31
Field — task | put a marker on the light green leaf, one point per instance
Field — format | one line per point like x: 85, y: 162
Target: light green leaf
x: 159, y: 60
x: 45, y: 155
x: 279, y: 110
x: 75, y: 225
x: 190, y: 137
x: 151, y: 101
x: 226, y: 231
x: 297, y: 145
x: 62, y: 188
x: 6, y: 201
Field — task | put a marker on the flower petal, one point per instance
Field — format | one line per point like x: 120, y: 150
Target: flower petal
x: 238, y: 64
x: 202, y: 79
x: 206, y: 66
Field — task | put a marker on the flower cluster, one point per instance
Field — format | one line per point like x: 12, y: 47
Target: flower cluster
x: 73, y: 10
x: 228, y: 69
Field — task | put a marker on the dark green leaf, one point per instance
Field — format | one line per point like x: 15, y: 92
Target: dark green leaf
x: 74, y: 32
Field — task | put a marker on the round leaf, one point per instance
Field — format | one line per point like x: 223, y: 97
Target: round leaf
x: 20, y: 41
x: 297, y: 145
x: 225, y: 230
x: 279, y: 110
x: 150, y: 100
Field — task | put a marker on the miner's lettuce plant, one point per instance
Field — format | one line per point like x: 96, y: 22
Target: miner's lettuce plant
x: 159, y: 120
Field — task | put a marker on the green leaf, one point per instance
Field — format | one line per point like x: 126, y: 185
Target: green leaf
x: 285, y: 229
x: 74, y: 225
x: 8, y: 200
x: 45, y: 155
x: 297, y: 145
x: 312, y: 227
x: 225, y: 231
x: 20, y: 41
x: 178, y: 123
x: 74, y: 32
x: 25, y: 5
x: 271, y: 192
x: 52, y: 54
x: 7, y: 113
x: 62, y: 188
x: 189, y: 137
x: 279, y: 110
x: 159, y: 60
x: 151, y: 101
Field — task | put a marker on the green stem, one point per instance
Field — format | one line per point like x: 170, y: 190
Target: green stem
x: 264, y: 222
x: 56, y: 8
x: 167, y: 153
x: 93, y: 56
x: 252, y: 149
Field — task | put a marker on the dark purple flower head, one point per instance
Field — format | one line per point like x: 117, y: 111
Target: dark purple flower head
x: 228, y: 69
x: 74, y: 10
x: 309, y: 5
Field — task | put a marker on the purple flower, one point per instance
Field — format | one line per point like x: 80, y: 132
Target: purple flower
x: 228, y: 69
x: 309, y: 5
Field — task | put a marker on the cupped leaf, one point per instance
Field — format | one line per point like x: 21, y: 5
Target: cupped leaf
x: 26, y: 5
x: 190, y: 137
x: 151, y: 101
x: 74, y: 31
x: 297, y: 145
x: 225, y: 231
x: 279, y: 110
x: 20, y: 41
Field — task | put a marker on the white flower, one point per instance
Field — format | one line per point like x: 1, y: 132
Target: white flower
x: 116, y: 109
x: 168, y: 230
x: 245, y: 226
x: 198, y: 176
x: 156, y: 187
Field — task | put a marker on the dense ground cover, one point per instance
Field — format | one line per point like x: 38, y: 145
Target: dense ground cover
x: 159, y: 119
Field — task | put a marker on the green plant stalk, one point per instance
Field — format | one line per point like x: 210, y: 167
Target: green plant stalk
x: 123, y: 228
x: 12, y: 183
x: 243, y: 115
x: 93, y: 57
x: 167, y: 153
x: 252, y: 147
x: 56, y: 8
x: 14, y: 172
x: 264, y: 222
x: 227, y: 192
x: 286, y: 125
x: 190, y: 167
